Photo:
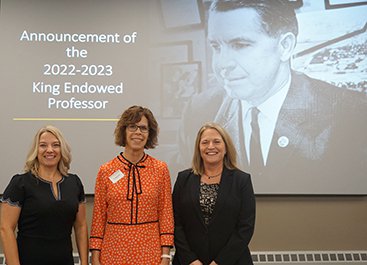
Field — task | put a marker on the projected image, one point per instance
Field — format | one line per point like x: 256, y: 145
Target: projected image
x: 301, y: 65
x: 309, y: 88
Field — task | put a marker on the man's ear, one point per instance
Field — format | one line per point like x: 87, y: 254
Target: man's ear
x: 287, y: 43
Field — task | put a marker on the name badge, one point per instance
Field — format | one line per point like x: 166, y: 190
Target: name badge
x: 116, y: 176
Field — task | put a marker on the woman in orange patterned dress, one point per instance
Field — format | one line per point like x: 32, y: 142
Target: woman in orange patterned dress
x: 132, y: 215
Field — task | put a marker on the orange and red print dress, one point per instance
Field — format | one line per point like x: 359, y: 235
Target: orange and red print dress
x: 132, y: 214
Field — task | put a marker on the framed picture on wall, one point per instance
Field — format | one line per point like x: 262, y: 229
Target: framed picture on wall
x: 180, y: 81
x: 172, y: 52
x: 331, y: 4
x: 182, y: 14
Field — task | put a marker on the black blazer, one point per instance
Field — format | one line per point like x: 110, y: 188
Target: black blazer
x: 229, y: 232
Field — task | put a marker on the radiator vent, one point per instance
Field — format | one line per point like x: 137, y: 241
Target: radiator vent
x: 310, y: 257
x: 294, y: 257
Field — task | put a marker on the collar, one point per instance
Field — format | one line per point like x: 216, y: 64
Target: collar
x: 134, y: 183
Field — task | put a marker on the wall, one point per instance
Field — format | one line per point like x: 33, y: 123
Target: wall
x: 293, y: 223
x: 310, y: 223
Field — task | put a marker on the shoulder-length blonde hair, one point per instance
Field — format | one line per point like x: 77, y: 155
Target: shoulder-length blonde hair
x: 32, y: 163
x: 230, y: 158
x: 131, y: 116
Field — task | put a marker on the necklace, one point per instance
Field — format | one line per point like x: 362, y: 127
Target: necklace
x: 214, y: 176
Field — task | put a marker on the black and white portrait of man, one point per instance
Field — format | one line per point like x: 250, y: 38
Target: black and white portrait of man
x: 294, y: 102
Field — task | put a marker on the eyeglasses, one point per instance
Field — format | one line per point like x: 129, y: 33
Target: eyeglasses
x: 134, y: 128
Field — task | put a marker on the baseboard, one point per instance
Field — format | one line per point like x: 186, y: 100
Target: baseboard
x: 357, y: 257
x: 310, y: 257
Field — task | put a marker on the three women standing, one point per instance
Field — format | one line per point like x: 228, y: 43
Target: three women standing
x: 214, y: 203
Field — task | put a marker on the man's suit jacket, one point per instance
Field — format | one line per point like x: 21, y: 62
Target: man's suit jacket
x: 229, y: 232
x: 319, y: 139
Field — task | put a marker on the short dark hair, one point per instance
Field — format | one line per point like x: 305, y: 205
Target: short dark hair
x: 131, y: 116
x: 278, y: 16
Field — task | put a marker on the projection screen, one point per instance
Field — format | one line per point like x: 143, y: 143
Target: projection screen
x: 79, y: 64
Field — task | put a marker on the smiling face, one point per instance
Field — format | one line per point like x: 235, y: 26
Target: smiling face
x: 212, y: 147
x: 246, y: 60
x: 135, y: 141
x: 49, y: 150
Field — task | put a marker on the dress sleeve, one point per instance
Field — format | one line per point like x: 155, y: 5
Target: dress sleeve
x: 14, y: 193
x: 81, y: 194
x: 99, y: 212
x: 165, y: 210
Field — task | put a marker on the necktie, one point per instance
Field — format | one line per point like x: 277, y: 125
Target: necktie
x: 256, y: 158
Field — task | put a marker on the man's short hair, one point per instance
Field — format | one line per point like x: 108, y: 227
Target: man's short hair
x: 278, y: 16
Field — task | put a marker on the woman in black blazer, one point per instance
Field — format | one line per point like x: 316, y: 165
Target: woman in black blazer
x: 214, y: 204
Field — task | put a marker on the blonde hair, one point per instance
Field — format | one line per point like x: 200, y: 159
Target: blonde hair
x: 32, y: 163
x: 230, y: 158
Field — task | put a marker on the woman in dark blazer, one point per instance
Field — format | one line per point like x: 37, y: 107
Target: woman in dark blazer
x: 214, y: 204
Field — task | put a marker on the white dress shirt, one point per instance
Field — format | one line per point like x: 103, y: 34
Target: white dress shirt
x: 268, y: 116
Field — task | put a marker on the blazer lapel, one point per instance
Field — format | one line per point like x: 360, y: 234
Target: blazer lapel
x: 291, y: 123
x: 298, y: 126
x: 230, y: 115
x: 195, y: 187
x: 224, y: 190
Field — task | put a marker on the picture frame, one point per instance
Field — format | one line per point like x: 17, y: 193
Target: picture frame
x: 180, y: 81
x: 172, y: 52
x: 178, y: 14
x: 332, y: 4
